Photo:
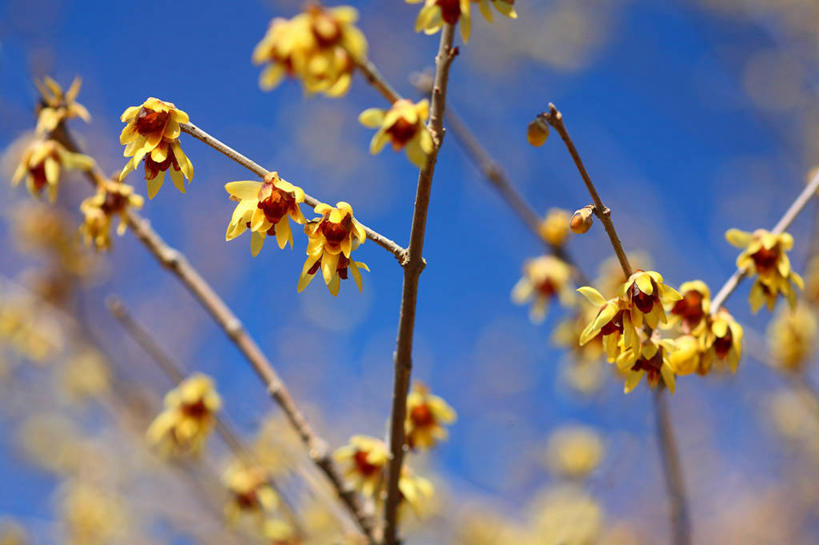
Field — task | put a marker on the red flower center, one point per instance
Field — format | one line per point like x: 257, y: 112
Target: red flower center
x: 401, y: 132
x: 276, y: 205
x: 421, y: 415
x: 765, y: 260
x: 614, y: 325
x: 450, y: 10
x: 643, y: 301
x: 651, y: 366
x: 247, y: 500
x: 152, y: 168
x: 722, y: 345
x: 689, y: 308
x: 39, y: 176
x: 546, y: 288
x: 196, y: 410
x: 336, y: 232
x: 149, y: 121
x: 114, y: 202
x: 363, y: 466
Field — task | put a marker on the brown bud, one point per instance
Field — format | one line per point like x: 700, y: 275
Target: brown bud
x: 582, y: 219
x: 537, y: 132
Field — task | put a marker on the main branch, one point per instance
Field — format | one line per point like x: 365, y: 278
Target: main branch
x: 409, y: 295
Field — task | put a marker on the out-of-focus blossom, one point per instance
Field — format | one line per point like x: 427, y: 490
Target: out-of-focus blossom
x: 653, y: 362
x: 414, y: 491
x: 427, y: 414
x: 331, y: 240
x: 183, y: 426
x: 647, y: 295
x: 152, y: 133
x: 276, y: 447
x: 568, y: 333
x: 91, y: 515
x: 722, y: 342
x: 56, y: 107
x: 691, y: 310
x: 544, y: 278
x: 265, y: 208
x: 554, y: 228
x: 42, y: 164
x: 793, y: 413
x: 435, y: 13
x: 11, y: 533
x: 320, y: 46
x: 574, y: 452
x: 34, y: 335
x: 765, y: 254
x: 84, y: 375
x: 611, y: 323
x: 404, y: 126
x: 250, y: 492
x: 792, y: 338
x: 112, y: 198
x: 566, y: 516
x: 365, y: 459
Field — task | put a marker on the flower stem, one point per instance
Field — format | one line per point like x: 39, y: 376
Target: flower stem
x: 374, y: 78
x: 409, y: 296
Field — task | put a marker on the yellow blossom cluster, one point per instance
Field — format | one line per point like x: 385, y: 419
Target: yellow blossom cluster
x: 320, y: 46
x: 112, y: 198
x: 402, y: 125
x: 792, y: 338
x: 250, y: 493
x: 42, y: 165
x: 57, y: 106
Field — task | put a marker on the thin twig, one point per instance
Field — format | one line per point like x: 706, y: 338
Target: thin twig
x: 230, y: 153
x: 784, y: 222
x: 202, y: 291
x: 176, y: 374
x: 374, y: 78
x: 672, y: 467
x: 409, y: 295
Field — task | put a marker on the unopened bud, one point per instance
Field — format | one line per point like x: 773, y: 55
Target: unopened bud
x: 537, y: 132
x: 582, y: 219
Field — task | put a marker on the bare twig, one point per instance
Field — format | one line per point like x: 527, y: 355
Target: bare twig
x: 409, y: 295
x: 232, y: 326
x: 374, y: 78
x: 230, y: 153
x: 784, y: 222
x: 672, y: 468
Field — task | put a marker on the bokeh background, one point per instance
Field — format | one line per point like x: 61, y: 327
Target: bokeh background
x: 692, y: 117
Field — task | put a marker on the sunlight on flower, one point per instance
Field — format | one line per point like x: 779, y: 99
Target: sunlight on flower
x: 722, y: 342
x: 427, y: 415
x: 365, y: 458
x: 112, y: 198
x: 403, y: 125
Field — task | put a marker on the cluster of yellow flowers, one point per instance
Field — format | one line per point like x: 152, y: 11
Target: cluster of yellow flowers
x: 112, y: 198
x: 366, y: 458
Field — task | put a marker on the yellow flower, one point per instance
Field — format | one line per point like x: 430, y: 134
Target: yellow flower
x: 610, y: 276
x: 543, y: 278
x: 722, y: 342
x: 437, y: 12
x: 183, y: 426
x: 765, y: 254
x: 612, y: 323
x: 250, y: 492
x: 264, y: 208
x: 403, y: 125
x: 152, y: 133
x: 319, y: 46
x: 566, y: 515
x: 574, y: 452
x: 426, y: 416
x: 112, y: 198
x: 413, y: 491
x: 91, y: 515
x: 506, y: 7
x: 42, y: 163
x: 685, y: 359
x: 792, y: 338
x: 646, y: 295
x: 653, y: 363
x: 331, y: 240
x: 366, y: 457
x: 690, y: 311
x: 85, y: 375
x: 56, y: 106
x: 554, y: 229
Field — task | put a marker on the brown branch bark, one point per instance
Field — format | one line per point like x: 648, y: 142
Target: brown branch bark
x: 409, y: 295
x: 374, y: 78
x: 230, y: 153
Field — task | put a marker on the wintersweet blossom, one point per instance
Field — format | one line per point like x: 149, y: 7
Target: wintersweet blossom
x: 414, y: 491
x: 613, y: 324
x: 403, y: 125
x: 686, y: 358
x: 506, y: 7
x: 320, y: 47
x: 544, y: 278
x: 112, y: 198
x: 435, y: 13
x: 722, y: 342
x: 690, y: 311
x: 574, y: 451
x: 554, y: 228
x: 653, y: 362
x: 646, y: 295
x: 331, y: 240
x: 250, y: 492
x: 265, y: 208
x: 765, y: 254
x: 42, y: 164
x: 183, y: 426
x: 427, y: 415
x: 365, y: 459
x: 792, y: 338
x: 152, y: 134
x: 56, y: 107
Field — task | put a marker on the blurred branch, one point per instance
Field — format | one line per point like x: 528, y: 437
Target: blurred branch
x: 670, y: 456
x: 173, y: 260
x: 495, y: 175
x: 409, y: 296
x: 176, y: 374
x: 374, y: 78
x: 784, y: 222
x: 230, y: 153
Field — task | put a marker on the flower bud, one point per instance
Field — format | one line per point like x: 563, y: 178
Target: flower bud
x: 537, y: 132
x: 582, y: 220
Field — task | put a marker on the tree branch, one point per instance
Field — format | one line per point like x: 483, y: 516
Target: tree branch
x: 409, y: 295
x: 374, y: 78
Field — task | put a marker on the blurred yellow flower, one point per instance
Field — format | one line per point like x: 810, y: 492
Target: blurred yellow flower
x: 722, y: 342
x: 647, y: 295
x: 152, y: 133
x: 574, y: 451
x: 506, y: 7
x: 685, y: 359
x: 765, y: 254
x: 250, y: 492
x: 365, y: 458
x: 690, y: 311
x: 568, y: 333
x: 42, y: 163
x: 91, y: 515
x: 566, y: 516
x: 612, y: 323
x: 85, y: 375
x: 12, y: 533
x: 331, y: 240
x: 403, y: 125
x: 320, y: 46
x: 654, y: 363
x: 543, y: 278
x: 264, y: 208
x: 112, y: 198
x: 554, y: 228
x: 414, y: 491
x: 183, y: 426
x: 56, y: 106
x: 435, y: 13
x: 792, y: 338
x: 427, y: 415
